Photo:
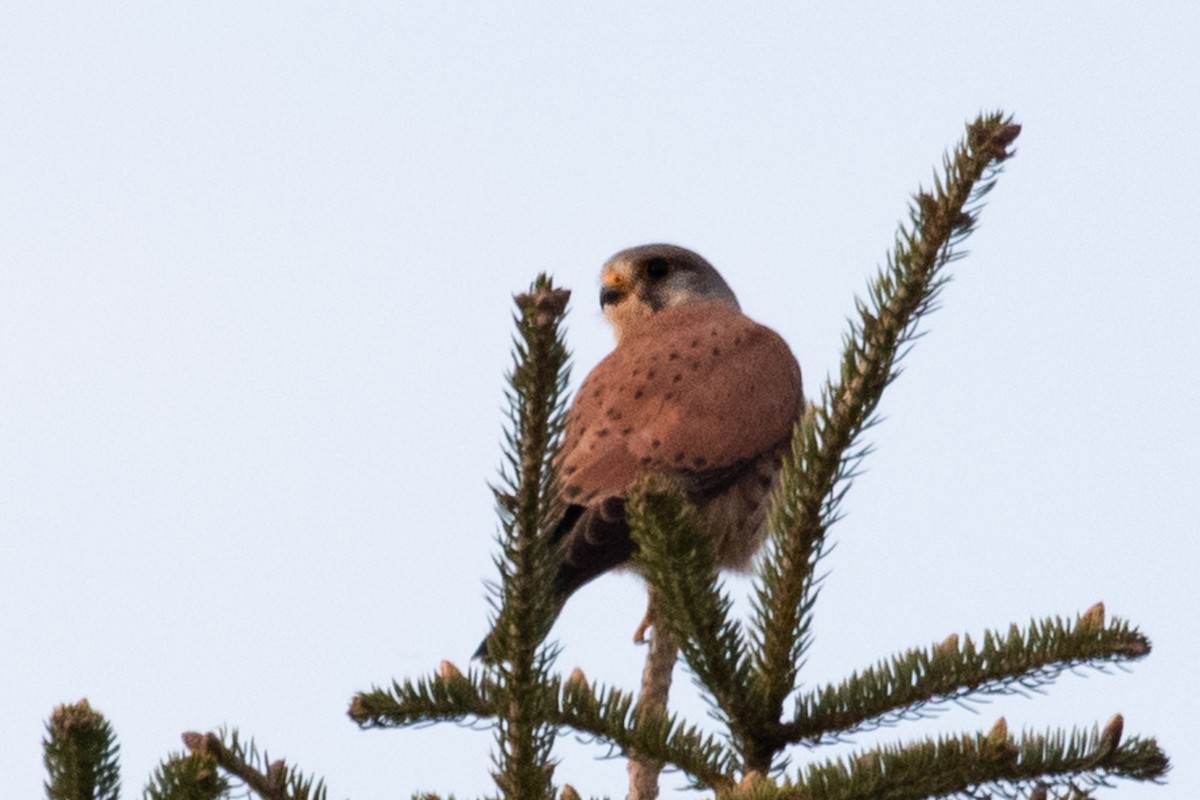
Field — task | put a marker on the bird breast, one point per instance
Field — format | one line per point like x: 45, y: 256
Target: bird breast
x: 705, y: 395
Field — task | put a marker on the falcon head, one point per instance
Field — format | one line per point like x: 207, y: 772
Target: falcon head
x: 641, y: 281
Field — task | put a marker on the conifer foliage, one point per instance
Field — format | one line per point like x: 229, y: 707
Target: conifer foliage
x: 747, y: 670
x: 80, y: 752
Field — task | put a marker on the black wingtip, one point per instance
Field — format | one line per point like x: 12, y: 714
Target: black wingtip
x: 570, y: 577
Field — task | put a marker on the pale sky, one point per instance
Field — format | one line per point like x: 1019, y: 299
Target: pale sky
x: 256, y: 263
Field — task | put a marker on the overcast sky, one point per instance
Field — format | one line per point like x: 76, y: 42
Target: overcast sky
x: 256, y: 263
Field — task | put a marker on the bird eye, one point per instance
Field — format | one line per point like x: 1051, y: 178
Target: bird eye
x: 657, y: 268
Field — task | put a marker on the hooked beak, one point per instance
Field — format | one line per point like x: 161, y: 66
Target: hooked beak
x: 611, y: 295
x: 614, y: 286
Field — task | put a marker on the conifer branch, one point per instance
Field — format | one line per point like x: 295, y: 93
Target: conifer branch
x: 80, y: 753
x: 270, y: 780
x: 527, y: 497
x: 825, y: 449
x: 517, y: 690
x: 603, y: 713
x: 448, y: 696
x: 694, y: 606
x: 978, y: 765
x: 529, y: 505
x: 187, y: 776
x: 1001, y: 664
x: 608, y: 714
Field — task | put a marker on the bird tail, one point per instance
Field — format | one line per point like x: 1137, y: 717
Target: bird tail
x: 592, y: 540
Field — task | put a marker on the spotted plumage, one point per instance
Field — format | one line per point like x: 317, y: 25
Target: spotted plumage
x: 694, y: 390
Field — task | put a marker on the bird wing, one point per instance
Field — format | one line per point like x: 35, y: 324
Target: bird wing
x: 706, y: 389
x: 701, y: 396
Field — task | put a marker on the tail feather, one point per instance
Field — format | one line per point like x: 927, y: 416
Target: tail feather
x: 593, y: 539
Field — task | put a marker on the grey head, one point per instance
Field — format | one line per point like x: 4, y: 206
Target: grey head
x: 641, y: 281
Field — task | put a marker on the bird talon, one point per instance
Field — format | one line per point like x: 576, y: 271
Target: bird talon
x: 639, y: 636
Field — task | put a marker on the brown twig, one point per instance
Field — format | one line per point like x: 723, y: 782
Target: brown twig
x: 656, y: 688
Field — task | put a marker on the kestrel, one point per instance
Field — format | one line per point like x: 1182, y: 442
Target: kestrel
x: 694, y: 390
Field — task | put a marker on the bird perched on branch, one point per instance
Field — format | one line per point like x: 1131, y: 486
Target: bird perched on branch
x: 694, y: 390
